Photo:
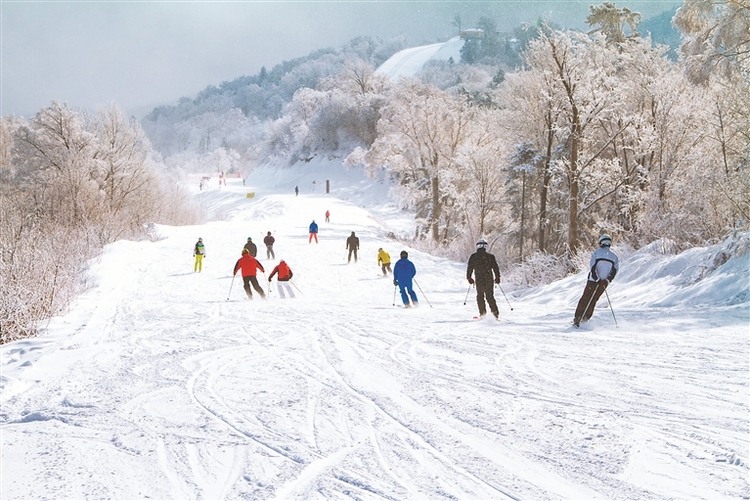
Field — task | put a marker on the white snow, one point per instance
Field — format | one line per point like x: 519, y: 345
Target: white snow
x: 409, y: 62
x: 160, y: 383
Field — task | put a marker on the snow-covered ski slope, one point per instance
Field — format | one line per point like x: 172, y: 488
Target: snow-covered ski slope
x: 409, y: 62
x: 155, y: 385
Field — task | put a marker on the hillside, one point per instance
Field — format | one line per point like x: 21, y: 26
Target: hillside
x: 165, y: 383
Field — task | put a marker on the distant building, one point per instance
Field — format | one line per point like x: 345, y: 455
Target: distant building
x: 471, y: 33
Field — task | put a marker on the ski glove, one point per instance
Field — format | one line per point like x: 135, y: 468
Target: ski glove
x: 604, y: 282
x: 395, y: 283
x: 497, y: 280
x: 471, y: 280
x: 269, y: 280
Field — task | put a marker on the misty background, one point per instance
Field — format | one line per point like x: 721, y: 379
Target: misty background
x: 144, y: 54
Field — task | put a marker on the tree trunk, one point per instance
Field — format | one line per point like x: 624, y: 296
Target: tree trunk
x: 523, y: 215
x: 573, y: 177
x: 546, y: 176
x: 436, y: 208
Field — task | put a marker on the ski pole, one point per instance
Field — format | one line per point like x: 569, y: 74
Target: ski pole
x: 422, y: 292
x: 583, y: 315
x: 467, y: 294
x: 295, y: 286
x: 506, y: 297
x: 394, y: 294
x: 611, y: 309
x: 230, y: 287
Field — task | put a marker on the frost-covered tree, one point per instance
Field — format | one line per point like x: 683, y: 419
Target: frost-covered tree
x: 523, y: 172
x: 612, y: 21
x: 55, y: 157
x: 338, y: 116
x: 584, y: 88
x: 419, y: 134
x: 125, y: 174
x: 716, y: 38
x: 69, y: 184
x: 532, y: 115
x: 478, y: 179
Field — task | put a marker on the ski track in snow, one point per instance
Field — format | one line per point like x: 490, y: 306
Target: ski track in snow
x: 155, y: 385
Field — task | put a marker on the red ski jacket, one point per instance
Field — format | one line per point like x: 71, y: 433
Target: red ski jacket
x: 285, y: 273
x: 249, y: 266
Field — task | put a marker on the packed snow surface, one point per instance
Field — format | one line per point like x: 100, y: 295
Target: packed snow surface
x: 169, y: 384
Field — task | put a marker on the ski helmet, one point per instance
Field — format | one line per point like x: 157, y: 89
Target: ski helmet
x: 481, y: 243
x: 404, y: 254
x: 605, y: 240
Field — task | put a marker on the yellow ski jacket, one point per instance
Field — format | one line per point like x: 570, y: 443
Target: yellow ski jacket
x: 383, y: 257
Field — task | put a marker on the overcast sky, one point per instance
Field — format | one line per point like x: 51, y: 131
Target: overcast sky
x: 140, y: 54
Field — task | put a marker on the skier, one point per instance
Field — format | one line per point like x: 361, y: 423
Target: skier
x: 285, y: 275
x: 328, y: 216
x: 403, y: 275
x: 269, y: 240
x: 313, y: 232
x: 250, y: 267
x: 199, y: 252
x: 604, y: 266
x: 384, y: 261
x: 483, y: 265
x: 296, y: 191
x: 352, y: 243
x: 251, y: 247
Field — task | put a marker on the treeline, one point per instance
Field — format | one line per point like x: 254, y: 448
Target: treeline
x: 71, y: 183
x: 233, y: 115
x: 225, y: 124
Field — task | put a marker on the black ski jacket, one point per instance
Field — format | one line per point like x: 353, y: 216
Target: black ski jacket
x: 352, y: 243
x: 483, y: 264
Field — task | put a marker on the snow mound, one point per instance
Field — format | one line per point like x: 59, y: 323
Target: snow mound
x: 659, y: 276
x: 702, y: 276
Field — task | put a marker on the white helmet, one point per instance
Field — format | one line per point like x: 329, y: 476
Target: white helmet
x: 605, y: 240
x: 482, y: 243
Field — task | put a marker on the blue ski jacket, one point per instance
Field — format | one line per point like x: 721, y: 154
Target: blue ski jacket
x: 404, y: 271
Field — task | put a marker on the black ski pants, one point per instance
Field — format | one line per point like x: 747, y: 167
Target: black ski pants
x: 352, y: 250
x: 591, y: 294
x: 486, y: 291
x: 251, y: 279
